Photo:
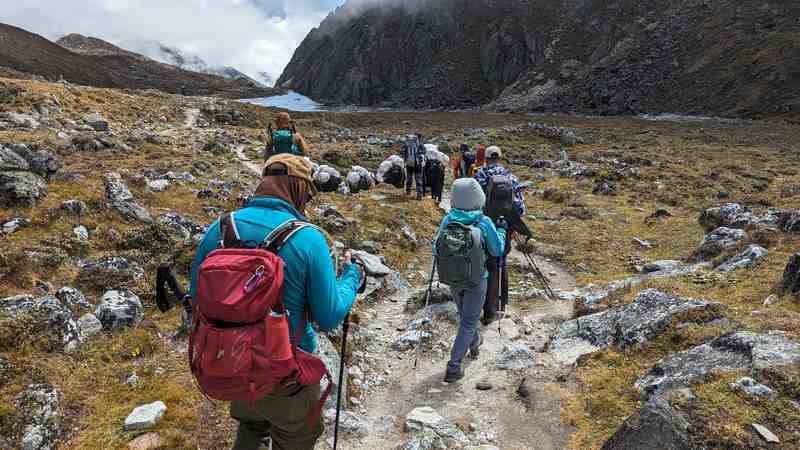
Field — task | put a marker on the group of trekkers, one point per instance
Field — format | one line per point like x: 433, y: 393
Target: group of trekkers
x: 263, y: 284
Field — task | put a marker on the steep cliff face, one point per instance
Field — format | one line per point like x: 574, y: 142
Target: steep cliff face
x: 721, y: 57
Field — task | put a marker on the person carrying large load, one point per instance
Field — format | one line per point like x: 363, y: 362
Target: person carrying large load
x: 392, y: 172
x: 261, y: 276
x: 327, y: 178
x: 285, y: 138
x: 413, y: 154
x: 359, y: 179
x: 466, y: 240
x: 504, y: 200
x: 434, y: 172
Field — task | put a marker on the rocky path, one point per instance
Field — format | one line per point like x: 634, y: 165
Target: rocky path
x: 253, y: 166
x: 191, y: 116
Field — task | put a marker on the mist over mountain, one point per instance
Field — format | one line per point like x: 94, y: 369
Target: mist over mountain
x: 608, y: 57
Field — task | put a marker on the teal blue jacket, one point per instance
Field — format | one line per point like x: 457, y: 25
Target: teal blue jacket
x: 309, y: 276
x: 493, y: 239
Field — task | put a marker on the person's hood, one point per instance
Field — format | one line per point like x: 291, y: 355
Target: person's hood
x: 465, y: 217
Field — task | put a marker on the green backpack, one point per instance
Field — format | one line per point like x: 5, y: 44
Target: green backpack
x: 460, y: 257
x: 283, y: 142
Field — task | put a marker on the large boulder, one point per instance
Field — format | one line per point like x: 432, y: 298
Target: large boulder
x: 746, y: 259
x: 650, y: 314
x: 46, y: 310
x: 719, y: 240
x: 655, y: 426
x: 40, y: 407
x: 121, y: 199
x: 21, y: 188
x: 730, y: 215
x: 40, y: 162
x: 10, y: 160
x: 740, y: 351
x: 118, y: 309
x: 790, y: 283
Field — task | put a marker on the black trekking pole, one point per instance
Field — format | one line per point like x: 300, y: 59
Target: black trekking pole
x: 427, y: 302
x: 345, y: 330
x: 538, y: 274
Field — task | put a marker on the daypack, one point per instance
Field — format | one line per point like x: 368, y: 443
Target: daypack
x: 499, y: 197
x: 460, y: 257
x: 411, y: 150
x: 395, y: 176
x: 241, y: 347
x: 283, y: 142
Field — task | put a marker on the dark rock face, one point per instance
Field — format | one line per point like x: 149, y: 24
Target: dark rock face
x: 601, y: 56
x: 656, y: 426
x: 791, y: 276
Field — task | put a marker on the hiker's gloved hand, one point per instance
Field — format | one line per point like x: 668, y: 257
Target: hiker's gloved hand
x: 501, y: 223
x: 349, y: 260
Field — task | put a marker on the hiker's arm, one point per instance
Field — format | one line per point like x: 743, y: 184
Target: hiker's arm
x: 301, y: 143
x: 330, y: 299
x: 206, y: 246
x: 495, y: 238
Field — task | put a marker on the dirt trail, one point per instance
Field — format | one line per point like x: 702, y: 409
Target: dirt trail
x: 191, y: 115
x: 251, y: 165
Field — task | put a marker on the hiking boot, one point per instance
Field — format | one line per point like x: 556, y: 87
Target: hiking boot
x: 489, y: 318
x: 451, y: 376
x: 475, y: 352
x: 419, y: 197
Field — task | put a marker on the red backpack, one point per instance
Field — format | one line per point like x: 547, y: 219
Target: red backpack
x: 241, y: 347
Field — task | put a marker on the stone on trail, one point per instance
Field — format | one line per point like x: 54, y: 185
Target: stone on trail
x: 766, y: 434
x: 740, y: 351
x: 39, y: 405
x: 508, y: 329
x: 425, y: 440
x: 650, y: 314
x: 746, y: 259
x: 349, y: 422
x: 118, y: 309
x: 146, y: 416
x: 373, y: 264
x: 752, y: 387
x: 427, y: 418
x: 410, y: 339
x: 516, y: 355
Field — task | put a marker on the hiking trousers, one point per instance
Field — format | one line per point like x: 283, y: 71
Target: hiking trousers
x: 469, y: 302
x: 281, y: 416
x: 414, y: 175
x: 497, y: 290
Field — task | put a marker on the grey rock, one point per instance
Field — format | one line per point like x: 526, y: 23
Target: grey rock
x: 427, y: 418
x: 746, y: 259
x: 642, y: 243
x: 410, y: 339
x: 766, y: 434
x: 409, y: 233
x: 349, y: 422
x: 159, y: 185
x: 740, y: 351
x: 111, y: 271
x: 132, y: 211
x: 118, y: 309
x: 425, y: 440
x: 330, y: 356
x: 394, y: 283
x: 96, y: 121
x: 331, y: 219
x: 790, y: 282
x: 181, y: 226
x: 89, y: 325
x: 76, y: 207
x: 41, y: 162
x: 649, y: 315
x: 115, y: 188
x: 21, y: 120
x: 72, y: 297
x: 14, y: 225
x: 81, y: 233
x: 11, y: 161
x: 146, y: 416
x: 789, y: 221
x: 49, y: 308
x: 752, y: 387
x: 21, y: 188
x: 447, y: 311
x: 604, y: 187
x: 656, y: 426
x: 439, y: 294
x: 40, y: 406
x: 720, y: 239
x: 516, y: 355
x: 658, y: 266
x: 730, y: 215
x: 373, y: 265
x: 508, y: 329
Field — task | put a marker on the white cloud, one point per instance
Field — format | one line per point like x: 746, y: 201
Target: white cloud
x: 252, y: 35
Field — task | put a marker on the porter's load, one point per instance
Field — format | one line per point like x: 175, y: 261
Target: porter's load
x: 359, y: 179
x: 327, y: 179
x: 392, y: 171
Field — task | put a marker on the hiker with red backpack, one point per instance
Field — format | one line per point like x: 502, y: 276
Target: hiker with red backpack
x: 261, y: 276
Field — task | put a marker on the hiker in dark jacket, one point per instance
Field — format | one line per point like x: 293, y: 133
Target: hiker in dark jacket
x: 413, y: 154
x: 467, y: 199
x: 285, y: 139
x: 310, y: 285
x: 497, y: 291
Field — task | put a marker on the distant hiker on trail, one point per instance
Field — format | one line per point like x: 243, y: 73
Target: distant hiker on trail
x: 465, y: 241
x: 241, y: 349
x: 467, y: 162
x: 479, y: 161
x: 285, y: 138
x: 434, y: 172
x: 504, y: 200
x: 413, y: 155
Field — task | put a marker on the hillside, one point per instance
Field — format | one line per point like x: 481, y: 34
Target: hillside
x: 108, y: 66
x: 725, y: 58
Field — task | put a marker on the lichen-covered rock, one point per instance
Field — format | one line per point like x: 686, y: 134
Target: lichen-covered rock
x: 181, y: 226
x: 76, y: 207
x: 116, y: 189
x: 10, y: 160
x: 72, y: 297
x: 118, y: 309
x: 655, y: 426
x: 730, y: 215
x: 789, y: 221
x: 373, y: 264
x: 746, y: 259
x: 46, y: 309
x: 21, y: 188
x: 41, y: 162
x: 14, y: 225
x: 40, y: 406
x: 110, y: 272
x: 719, y: 240
x: 751, y: 387
x: 427, y: 418
x: 740, y: 351
x: 649, y: 315
x: 89, y: 325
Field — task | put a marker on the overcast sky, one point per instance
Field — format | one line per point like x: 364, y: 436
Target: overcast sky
x: 252, y: 35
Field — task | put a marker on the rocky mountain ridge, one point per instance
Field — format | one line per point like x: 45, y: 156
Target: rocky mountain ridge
x: 723, y: 58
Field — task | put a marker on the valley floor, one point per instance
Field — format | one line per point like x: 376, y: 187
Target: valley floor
x: 608, y: 196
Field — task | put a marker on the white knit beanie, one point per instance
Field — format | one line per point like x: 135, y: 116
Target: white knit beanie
x: 494, y: 152
x: 467, y: 195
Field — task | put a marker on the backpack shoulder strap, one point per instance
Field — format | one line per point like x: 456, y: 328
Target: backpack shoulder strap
x: 281, y: 235
x: 229, y: 236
